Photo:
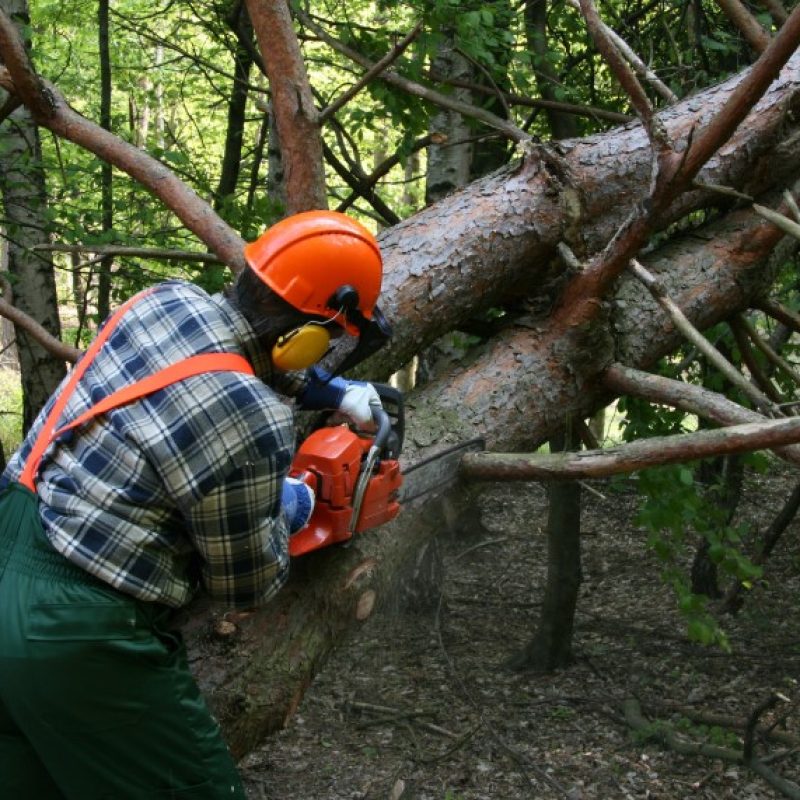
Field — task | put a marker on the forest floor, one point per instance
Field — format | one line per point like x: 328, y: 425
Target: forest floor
x: 421, y: 706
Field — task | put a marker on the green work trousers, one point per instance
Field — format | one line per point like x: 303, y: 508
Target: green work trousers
x: 96, y: 698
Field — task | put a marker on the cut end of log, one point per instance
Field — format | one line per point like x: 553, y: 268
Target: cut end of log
x: 365, y: 604
x: 365, y: 568
x: 224, y: 629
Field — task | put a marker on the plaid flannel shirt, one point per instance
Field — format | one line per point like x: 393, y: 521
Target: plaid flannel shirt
x: 181, y: 487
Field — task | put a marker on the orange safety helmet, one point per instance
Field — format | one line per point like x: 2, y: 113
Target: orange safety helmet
x: 323, y: 263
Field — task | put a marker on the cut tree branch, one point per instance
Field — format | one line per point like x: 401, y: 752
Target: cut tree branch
x: 641, y: 454
x: 711, y: 406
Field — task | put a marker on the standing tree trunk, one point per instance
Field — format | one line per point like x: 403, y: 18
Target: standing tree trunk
x: 293, y: 104
x: 450, y: 158
x: 551, y: 646
x: 237, y: 105
x: 562, y: 126
x: 22, y: 189
x: 106, y: 170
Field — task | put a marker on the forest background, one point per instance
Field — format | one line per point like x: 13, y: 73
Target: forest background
x: 413, y: 114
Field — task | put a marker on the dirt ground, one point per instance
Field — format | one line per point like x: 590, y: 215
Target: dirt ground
x: 421, y: 707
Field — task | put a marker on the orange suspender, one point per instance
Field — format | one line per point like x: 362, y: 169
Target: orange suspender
x: 194, y: 365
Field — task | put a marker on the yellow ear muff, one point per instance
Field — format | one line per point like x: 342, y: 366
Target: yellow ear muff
x: 301, y: 347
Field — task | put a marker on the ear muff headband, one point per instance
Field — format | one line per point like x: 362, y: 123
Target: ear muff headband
x: 301, y: 348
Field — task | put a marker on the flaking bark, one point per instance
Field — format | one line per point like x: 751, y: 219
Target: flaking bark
x: 515, y: 391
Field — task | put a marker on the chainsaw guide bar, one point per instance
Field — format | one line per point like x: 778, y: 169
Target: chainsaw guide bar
x: 436, y: 472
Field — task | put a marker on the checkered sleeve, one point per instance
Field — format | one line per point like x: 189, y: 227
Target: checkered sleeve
x: 235, y: 466
x: 241, y: 536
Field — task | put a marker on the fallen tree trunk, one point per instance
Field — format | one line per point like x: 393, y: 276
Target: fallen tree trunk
x: 498, y: 236
x: 518, y: 388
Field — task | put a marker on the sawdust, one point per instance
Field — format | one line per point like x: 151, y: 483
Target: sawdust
x: 421, y: 706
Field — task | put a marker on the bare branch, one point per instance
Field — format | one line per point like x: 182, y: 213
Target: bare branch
x: 768, y: 352
x: 383, y: 168
x: 776, y: 10
x: 362, y: 187
x: 633, y: 456
x: 788, y: 198
x: 709, y: 405
x: 42, y: 336
x: 376, y: 70
x: 195, y: 213
x: 693, y: 335
x: 767, y: 544
x: 744, y: 97
x: 535, y: 102
x: 752, y: 31
x: 619, y: 67
x: 677, y: 171
x: 120, y: 251
x: 390, y: 76
x: 641, y: 69
x: 27, y: 85
x: 758, y: 376
x: 778, y: 219
x: 775, y: 309
x: 11, y: 104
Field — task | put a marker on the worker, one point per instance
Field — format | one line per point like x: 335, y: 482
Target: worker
x: 157, y: 470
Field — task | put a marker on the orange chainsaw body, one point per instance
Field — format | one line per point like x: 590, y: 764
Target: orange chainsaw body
x: 330, y: 460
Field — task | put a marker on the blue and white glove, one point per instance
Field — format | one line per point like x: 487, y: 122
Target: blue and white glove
x: 297, y: 503
x: 358, y: 402
x: 354, y: 399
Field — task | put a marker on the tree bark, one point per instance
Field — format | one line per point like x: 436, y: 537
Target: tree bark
x: 293, y: 104
x: 551, y: 645
x: 22, y: 186
x: 106, y: 170
x: 633, y: 456
x: 516, y: 391
x: 497, y: 237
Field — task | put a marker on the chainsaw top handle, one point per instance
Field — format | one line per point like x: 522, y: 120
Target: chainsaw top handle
x: 383, y: 424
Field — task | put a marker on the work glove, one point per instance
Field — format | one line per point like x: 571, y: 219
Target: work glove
x: 297, y: 503
x: 354, y: 399
x: 358, y: 402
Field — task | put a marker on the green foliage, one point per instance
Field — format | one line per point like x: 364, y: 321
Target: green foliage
x: 10, y: 410
x: 709, y: 734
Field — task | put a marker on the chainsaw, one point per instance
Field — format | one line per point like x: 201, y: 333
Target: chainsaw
x: 357, y: 479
